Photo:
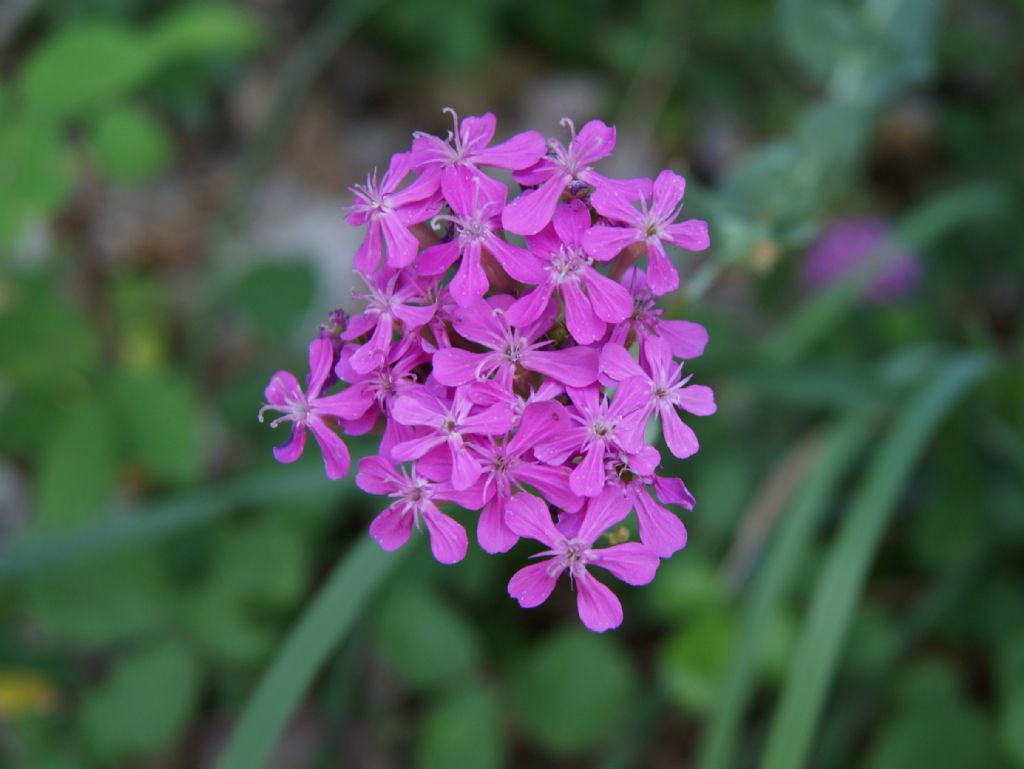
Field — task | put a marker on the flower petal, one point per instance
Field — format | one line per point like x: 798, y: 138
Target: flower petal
x: 529, y: 517
x: 587, y: 478
x: 532, y: 584
x: 448, y: 540
x: 631, y: 562
x: 604, y: 242
x: 661, y: 274
x: 681, y: 440
x: 584, y: 326
x: 668, y: 191
x: 573, y: 366
x: 391, y: 528
x: 336, y: 456
x: 598, y: 607
x: 529, y: 213
x: 691, y: 234
x: 492, y: 533
x: 660, y: 530
x: 291, y: 449
x: 603, y: 512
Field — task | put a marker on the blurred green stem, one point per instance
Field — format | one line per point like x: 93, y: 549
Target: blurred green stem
x: 837, y: 452
x: 320, y: 630
x: 816, y: 657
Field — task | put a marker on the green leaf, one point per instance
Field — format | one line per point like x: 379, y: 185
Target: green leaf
x: 321, y: 628
x: 692, y: 661
x: 128, y: 145
x: 229, y: 616
x: 273, y: 296
x: 463, y: 731
x: 159, y: 418
x: 144, y: 704
x: 36, y: 173
x: 84, y: 66
x: 839, y: 587
x: 423, y: 641
x: 78, y: 473
x: 1010, y: 674
x: 202, y: 30
x: 944, y: 734
x: 572, y: 690
x: 102, y: 602
x: 44, y: 338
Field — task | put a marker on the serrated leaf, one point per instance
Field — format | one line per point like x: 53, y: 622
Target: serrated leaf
x: 144, y: 704
x: 463, y: 731
x: 84, y: 66
x: 158, y: 415
x: 129, y: 145
x: 572, y: 690
x: 423, y: 640
x: 78, y: 472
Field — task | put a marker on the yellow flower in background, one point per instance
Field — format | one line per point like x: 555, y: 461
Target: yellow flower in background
x: 25, y: 693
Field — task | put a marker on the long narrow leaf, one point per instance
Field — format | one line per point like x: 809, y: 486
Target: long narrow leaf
x: 832, y: 608
x: 840, y: 448
x: 319, y: 631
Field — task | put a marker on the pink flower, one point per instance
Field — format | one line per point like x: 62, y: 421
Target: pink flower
x: 311, y: 410
x: 447, y: 424
x: 684, y: 338
x: 598, y: 607
x: 651, y: 225
x: 475, y: 214
x: 530, y: 212
x: 601, y: 427
x: 415, y: 500
x: 387, y: 214
x: 630, y: 480
x: 510, y: 350
x: 465, y: 148
x: 389, y: 307
x: 667, y: 391
x: 591, y: 300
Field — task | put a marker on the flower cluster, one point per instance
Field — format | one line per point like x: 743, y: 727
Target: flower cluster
x: 512, y: 354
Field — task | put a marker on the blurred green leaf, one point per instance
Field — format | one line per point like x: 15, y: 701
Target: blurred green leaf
x: 229, y: 615
x: 198, y: 30
x: 129, y: 145
x: 44, y: 338
x: 36, y: 172
x: 144, y: 704
x: 274, y: 295
x: 78, y: 472
x: 321, y: 628
x: 1010, y: 679
x: 572, y: 690
x: 835, y: 598
x: 423, y: 640
x: 941, y: 734
x: 462, y: 731
x: 692, y: 660
x: 816, y: 33
x: 159, y: 417
x: 102, y: 602
x: 83, y: 66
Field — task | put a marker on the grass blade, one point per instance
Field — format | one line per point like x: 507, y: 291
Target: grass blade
x: 321, y: 628
x: 839, y: 449
x: 819, y: 648
x: 157, y: 520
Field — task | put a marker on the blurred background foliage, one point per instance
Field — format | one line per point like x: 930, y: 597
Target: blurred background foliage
x: 171, y: 176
